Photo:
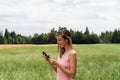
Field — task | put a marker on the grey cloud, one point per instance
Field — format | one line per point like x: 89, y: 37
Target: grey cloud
x: 12, y: 3
x: 13, y: 18
x: 40, y: 14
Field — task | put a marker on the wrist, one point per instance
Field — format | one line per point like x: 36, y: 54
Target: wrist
x: 57, y: 64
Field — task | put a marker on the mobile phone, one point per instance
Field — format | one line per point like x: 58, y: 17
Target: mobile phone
x: 45, y: 54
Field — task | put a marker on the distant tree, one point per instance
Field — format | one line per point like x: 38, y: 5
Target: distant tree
x: 79, y: 38
x: 13, y: 34
x: 6, y: 34
x: 20, y: 40
x: 72, y: 35
x: 11, y: 40
x: 40, y: 39
x: 51, y: 36
x: 14, y: 37
x: 106, y: 37
x: 94, y: 38
x: 87, y: 31
x: 1, y: 38
x: 45, y: 38
x: 27, y: 39
x: 87, y: 36
x: 1, y: 33
x: 116, y: 36
x: 35, y: 38
x: 35, y: 35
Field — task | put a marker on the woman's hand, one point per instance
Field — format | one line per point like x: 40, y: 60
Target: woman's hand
x: 47, y: 59
x: 53, y: 61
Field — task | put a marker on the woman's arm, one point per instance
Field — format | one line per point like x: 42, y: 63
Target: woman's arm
x: 47, y: 57
x: 73, y: 65
x: 54, y: 66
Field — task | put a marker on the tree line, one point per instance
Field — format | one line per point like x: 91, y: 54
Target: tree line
x: 78, y: 37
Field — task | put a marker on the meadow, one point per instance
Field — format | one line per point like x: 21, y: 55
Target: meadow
x: 95, y: 62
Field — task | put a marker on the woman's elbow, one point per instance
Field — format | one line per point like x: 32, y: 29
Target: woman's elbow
x: 72, y: 76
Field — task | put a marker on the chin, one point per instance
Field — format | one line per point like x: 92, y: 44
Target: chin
x: 61, y: 46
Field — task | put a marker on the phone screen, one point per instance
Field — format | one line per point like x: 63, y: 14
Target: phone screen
x: 45, y: 54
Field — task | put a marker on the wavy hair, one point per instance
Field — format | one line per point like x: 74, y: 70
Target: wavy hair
x: 67, y: 36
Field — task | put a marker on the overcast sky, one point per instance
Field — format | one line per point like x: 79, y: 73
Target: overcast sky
x: 40, y: 16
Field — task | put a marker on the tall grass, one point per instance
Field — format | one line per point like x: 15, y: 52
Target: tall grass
x: 95, y: 62
x: 98, y: 62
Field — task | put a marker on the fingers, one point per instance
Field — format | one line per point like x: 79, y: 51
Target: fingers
x: 53, y: 62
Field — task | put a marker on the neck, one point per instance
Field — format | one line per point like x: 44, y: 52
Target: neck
x: 67, y: 48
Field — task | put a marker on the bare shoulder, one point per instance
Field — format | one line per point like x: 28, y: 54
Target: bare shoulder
x: 73, y: 52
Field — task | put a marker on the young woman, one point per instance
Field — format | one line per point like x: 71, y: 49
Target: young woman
x: 66, y: 64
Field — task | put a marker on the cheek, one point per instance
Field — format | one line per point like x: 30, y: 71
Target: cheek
x: 62, y: 43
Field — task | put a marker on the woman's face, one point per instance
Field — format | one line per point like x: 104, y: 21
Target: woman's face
x: 61, y: 41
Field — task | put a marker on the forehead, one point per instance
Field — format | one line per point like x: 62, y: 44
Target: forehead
x: 59, y: 37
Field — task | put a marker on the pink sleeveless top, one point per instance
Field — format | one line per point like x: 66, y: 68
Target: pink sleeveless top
x: 65, y: 62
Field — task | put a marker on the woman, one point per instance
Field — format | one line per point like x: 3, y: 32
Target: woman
x: 66, y: 64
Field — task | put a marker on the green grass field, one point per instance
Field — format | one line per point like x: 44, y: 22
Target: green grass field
x: 95, y: 62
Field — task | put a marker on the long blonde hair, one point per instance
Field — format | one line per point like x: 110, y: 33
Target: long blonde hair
x: 67, y: 36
